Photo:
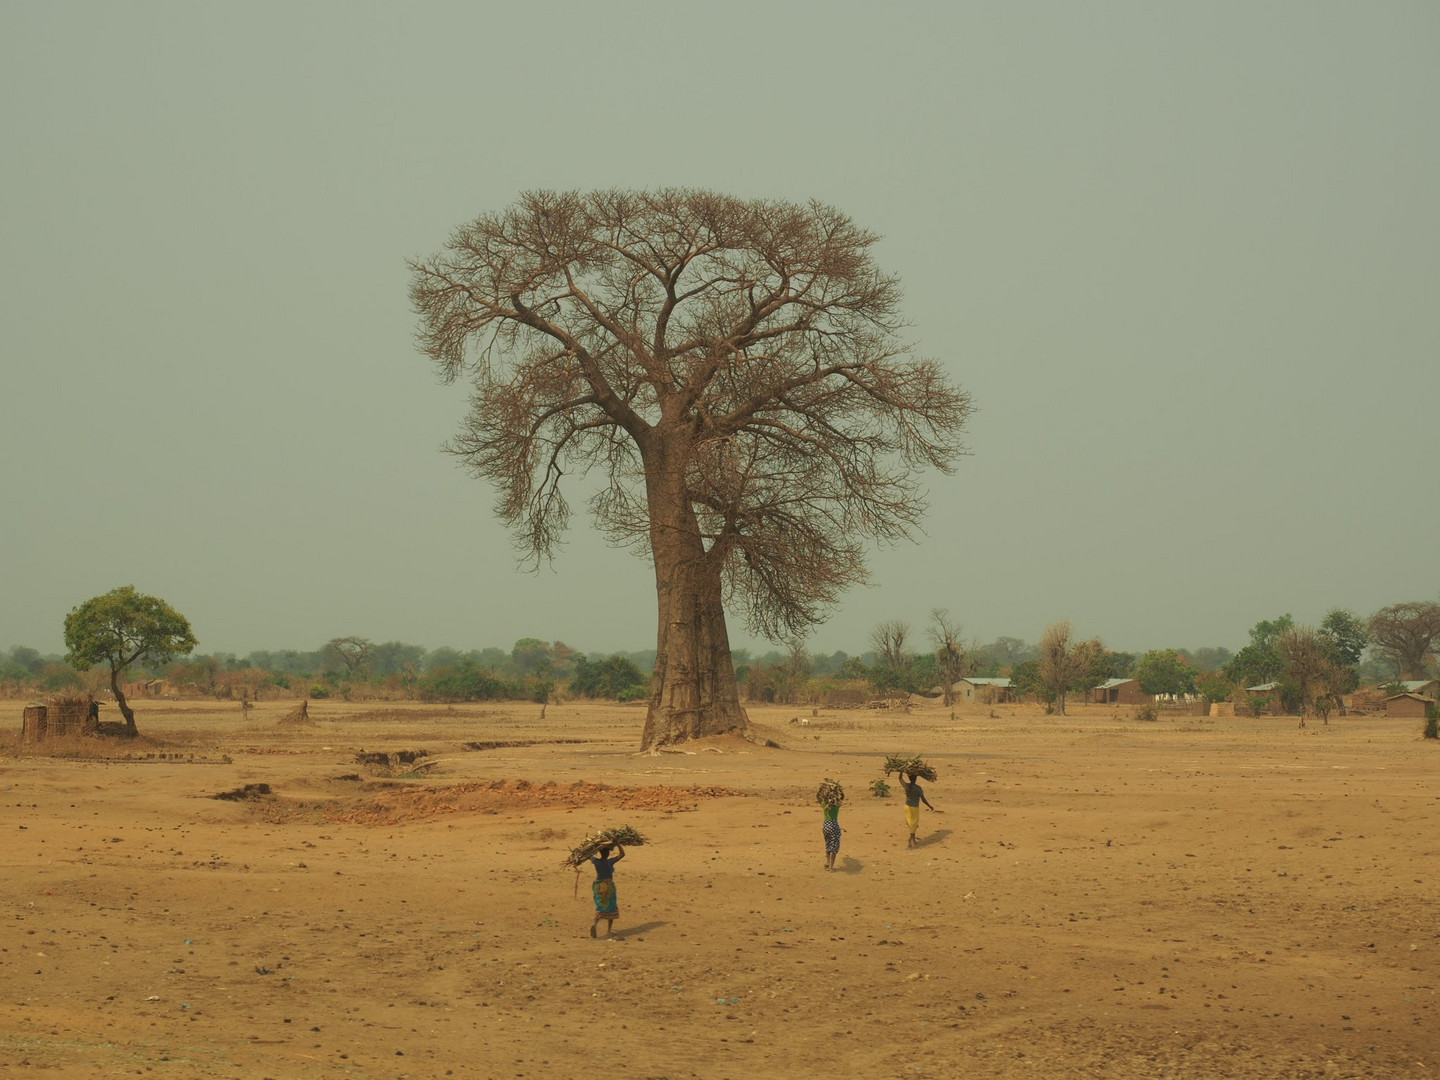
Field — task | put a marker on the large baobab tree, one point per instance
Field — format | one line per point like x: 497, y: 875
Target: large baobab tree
x: 734, y: 371
x: 1407, y: 636
x: 352, y: 654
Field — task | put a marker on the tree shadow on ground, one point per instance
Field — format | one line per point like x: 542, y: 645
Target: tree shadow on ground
x: 934, y: 838
x: 631, y: 931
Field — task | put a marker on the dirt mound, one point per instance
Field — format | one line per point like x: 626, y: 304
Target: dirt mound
x: 493, y: 797
x: 244, y: 794
x: 297, y: 717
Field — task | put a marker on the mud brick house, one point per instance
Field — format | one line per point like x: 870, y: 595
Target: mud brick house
x: 1119, y: 692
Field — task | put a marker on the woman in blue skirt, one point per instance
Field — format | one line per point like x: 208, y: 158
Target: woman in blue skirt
x: 607, y: 902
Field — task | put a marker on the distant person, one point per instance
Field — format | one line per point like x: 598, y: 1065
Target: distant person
x: 830, y: 828
x: 914, y: 796
x: 607, y: 903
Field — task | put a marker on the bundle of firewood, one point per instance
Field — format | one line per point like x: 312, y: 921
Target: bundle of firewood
x: 831, y: 794
x: 622, y: 834
x: 914, y: 765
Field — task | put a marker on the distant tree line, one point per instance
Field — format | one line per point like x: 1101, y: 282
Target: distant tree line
x: 1302, y: 668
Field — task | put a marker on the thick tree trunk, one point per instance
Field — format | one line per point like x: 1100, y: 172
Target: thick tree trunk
x: 125, y: 710
x: 693, y: 692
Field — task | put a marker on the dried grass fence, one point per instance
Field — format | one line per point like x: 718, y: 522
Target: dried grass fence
x: 63, y: 716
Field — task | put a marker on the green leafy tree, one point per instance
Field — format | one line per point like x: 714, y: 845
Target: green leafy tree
x: 1025, y: 679
x: 1105, y: 665
x: 1259, y: 662
x: 614, y: 677
x: 1209, y: 658
x: 443, y: 657
x: 466, y: 682
x: 27, y: 659
x: 1214, y: 687
x: 54, y: 676
x: 1345, y: 636
x: 396, y: 658
x: 1001, y: 656
x: 1164, y: 671
x: 532, y: 657
x: 21, y: 664
x: 925, y: 673
x: 125, y: 627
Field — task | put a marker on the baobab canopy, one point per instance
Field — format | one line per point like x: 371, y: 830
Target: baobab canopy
x: 735, y: 371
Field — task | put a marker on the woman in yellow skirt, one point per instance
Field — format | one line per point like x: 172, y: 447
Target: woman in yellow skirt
x: 914, y: 796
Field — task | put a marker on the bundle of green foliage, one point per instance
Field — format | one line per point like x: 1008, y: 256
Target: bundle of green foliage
x: 621, y: 834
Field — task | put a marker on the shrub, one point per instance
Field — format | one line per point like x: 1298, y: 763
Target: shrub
x: 614, y: 677
x: 464, y: 682
x: 1147, y: 711
x: 879, y: 788
x: 1214, y: 687
x: 1432, y: 722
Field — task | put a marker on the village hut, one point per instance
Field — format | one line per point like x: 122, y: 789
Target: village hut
x: 1424, y: 687
x: 70, y: 714
x: 1408, y: 706
x: 983, y: 691
x: 1119, y: 692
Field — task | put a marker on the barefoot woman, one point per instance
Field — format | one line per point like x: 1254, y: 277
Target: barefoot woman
x: 914, y: 796
x: 830, y: 796
x: 607, y: 903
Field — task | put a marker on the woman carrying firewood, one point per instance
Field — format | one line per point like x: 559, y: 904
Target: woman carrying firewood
x: 607, y: 903
x: 830, y: 796
x: 912, y: 769
x: 914, y: 796
x: 595, y: 849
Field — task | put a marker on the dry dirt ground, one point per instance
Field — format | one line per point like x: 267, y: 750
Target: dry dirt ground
x: 1100, y: 897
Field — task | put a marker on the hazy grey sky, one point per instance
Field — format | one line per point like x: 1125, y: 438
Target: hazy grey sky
x: 1186, y: 257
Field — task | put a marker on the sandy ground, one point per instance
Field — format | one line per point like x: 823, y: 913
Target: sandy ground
x: 1100, y: 897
